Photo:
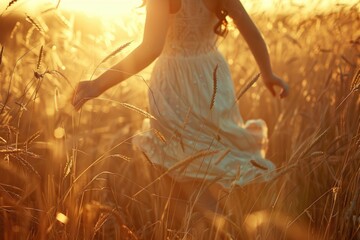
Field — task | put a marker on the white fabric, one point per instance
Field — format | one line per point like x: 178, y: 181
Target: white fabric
x: 181, y: 89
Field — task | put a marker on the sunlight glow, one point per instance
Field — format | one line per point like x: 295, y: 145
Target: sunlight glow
x: 59, y: 132
x: 124, y: 8
x: 103, y: 8
x: 308, y: 6
x: 108, y: 8
x: 62, y: 218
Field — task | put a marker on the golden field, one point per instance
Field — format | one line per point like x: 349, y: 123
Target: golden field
x: 75, y: 175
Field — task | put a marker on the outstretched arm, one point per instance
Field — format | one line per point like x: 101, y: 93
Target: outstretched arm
x: 156, y: 25
x: 256, y: 44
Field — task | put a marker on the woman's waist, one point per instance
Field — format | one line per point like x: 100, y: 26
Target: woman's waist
x: 189, y: 53
x: 194, y: 62
x: 188, y: 48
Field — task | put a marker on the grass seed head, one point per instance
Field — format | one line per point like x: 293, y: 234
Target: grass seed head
x: 214, y: 86
x: 1, y: 54
x: 38, y: 65
x: 355, y: 85
x: 248, y: 86
x: 118, y: 50
x: 34, y: 23
x: 10, y: 3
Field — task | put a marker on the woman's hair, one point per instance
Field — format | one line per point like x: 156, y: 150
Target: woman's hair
x: 221, y: 26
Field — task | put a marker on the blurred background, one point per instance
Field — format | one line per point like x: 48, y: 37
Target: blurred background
x: 70, y: 175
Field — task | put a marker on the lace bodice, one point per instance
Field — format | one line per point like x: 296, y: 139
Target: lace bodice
x: 191, y: 30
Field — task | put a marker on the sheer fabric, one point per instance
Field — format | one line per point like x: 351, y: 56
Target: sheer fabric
x: 191, y: 137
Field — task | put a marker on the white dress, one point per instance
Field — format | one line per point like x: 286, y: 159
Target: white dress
x: 188, y: 137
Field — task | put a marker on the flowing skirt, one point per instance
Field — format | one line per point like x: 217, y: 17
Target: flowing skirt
x: 197, y: 131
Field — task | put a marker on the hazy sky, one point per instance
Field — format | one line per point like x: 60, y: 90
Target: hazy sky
x: 118, y: 7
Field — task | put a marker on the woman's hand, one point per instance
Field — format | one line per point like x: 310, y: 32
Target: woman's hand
x: 272, y: 81
x: 84, y: 91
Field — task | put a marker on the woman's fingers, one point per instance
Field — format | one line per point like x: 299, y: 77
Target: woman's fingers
x: 271, y: 88
x: 78, y: 97
x: 84, y: 91
x: 74, y: 98
x: 276, y: 81
x: 285, y: 90
x: 79, y: 104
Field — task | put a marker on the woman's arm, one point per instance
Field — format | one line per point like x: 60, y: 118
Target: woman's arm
x: 156, y: 25
x: 256, y: 44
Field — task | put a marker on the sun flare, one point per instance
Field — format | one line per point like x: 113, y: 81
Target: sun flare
x: 108, y: 8
x: 120, y: 8
x: 103, y: 8
x: 67, y: 174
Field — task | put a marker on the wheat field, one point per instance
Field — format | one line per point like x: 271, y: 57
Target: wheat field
x: 75, y: 175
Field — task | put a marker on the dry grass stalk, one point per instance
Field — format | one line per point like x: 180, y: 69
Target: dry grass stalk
x: 355, y: 84
x: 10, y: 3
x: 32, y: 138
x: 37, y: 73
x: 22, y: 106
x: 38, y: 65
x: 297, y: 126
x: 181, y: 164
x: 147, y: 159
x: 138, y: 110
x: 26, y: 165
x: 214, y: 86
x: 247, y: 87
x: 255, y: 164
x: 348, y: 61
x: 34, y: 23
x: 179, y: 137
x: 1, y: 54
x: 222, y: 156
x: 15, y: 151
x: 184, y: 163
x: 56, y: 101
x: 120, y: 222
x: 53, y: 8
x: 29, y: 35
x: 159, y: 135
x: 353, y: 204
x: 100, y: 222
x: 17, y: 25
x: 53, y: 72
x: 187, y: 118
x: 58, y: 4
x: 306, y: 146
x: 68, y: 166
x: 121, y: 156
x: 11, y: 151
x: 63, y: 20
x: 129, y: 234
x: 118, y: 50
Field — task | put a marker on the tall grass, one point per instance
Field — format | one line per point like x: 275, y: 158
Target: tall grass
x: 67, y: 175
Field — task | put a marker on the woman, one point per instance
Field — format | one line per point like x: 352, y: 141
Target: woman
x: 203, y: 139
